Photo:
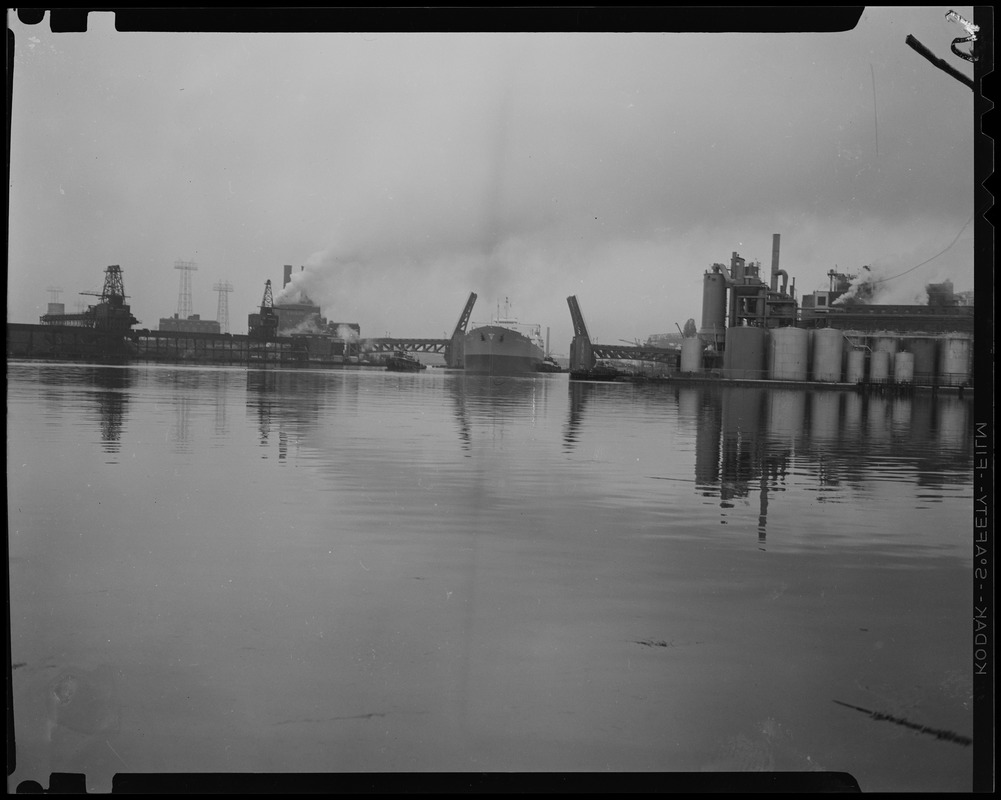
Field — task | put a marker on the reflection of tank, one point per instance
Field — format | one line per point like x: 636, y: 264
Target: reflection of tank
x: 878, y: 419
x: 788, y: 354
x: 744, y: 356
x: 786, y: 409
x: 825, y: 410
x: 707, y: 438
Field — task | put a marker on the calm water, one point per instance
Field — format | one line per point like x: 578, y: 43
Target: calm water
x: 275, y: 571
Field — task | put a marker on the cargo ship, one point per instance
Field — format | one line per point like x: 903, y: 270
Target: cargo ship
x: 504, y: 347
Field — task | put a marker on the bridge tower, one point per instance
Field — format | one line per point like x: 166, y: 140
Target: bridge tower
x: 582, y: 356
x: 184, y: 295
x: 455, y: 350
x: 222, y: 310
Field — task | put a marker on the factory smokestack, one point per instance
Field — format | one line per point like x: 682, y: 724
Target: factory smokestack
x: 775, y: 261
x: 288, y: 275
x: 775, y: 266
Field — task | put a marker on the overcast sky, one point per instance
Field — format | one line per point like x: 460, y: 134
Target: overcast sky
x: 404, y: 171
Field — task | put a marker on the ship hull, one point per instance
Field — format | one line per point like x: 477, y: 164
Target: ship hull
x: 496, y: 350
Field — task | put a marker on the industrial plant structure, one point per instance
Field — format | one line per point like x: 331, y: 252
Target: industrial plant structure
x: 753, y: 331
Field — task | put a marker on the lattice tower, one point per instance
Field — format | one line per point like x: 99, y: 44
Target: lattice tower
x: 222, y: 311
x: 184, y: 295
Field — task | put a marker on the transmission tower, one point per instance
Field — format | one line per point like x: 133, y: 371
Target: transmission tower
x: 184, y: 296
x: 222, y: 311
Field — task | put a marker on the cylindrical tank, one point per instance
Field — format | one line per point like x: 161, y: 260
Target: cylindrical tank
x: 855, y: 367
x: 787, y: 354
x: 744, y: 356
x: 903, y: 368
x: 924, y: 350
x: 879, y: 366
x: 713, y: 307
x: 886, y: 342
x: 691, y: 354
x: 827, y: 350
x: 955, y: 360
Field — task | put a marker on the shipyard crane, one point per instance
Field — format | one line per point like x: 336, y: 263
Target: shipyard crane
x: 266, y: 325
x: 111, y: 313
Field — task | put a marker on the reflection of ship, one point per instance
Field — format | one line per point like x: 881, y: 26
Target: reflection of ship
x: 401, y: 361
x: 504, y: 347
x: 488, y: 401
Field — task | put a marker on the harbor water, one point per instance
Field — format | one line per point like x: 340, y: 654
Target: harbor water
x: 278, y: 571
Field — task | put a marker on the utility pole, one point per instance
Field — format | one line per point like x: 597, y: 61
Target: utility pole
x: 222, y: 310
x: 184, y: 295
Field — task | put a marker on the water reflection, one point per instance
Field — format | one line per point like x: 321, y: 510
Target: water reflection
x: 111, y: 396
x: 581, y: 394
x: 495, y: 401
x: 287, y: 403
x: 751, y: 440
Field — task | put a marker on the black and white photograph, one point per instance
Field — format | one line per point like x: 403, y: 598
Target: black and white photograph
x: 500, y: 399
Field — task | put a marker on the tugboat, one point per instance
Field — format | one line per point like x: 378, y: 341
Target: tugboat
x: 549, y: 364
x: 401, y: 361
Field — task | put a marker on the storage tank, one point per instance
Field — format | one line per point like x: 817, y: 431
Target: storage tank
x: 827, y: 351
x: 903, y: 368
x: 924, y: 350
x: 879, y: 366
x: 787, y: 354
x: 886, y: 342
x: 713, y: 308
x: 744, y: 356
x: 855, y: 366
x: 955, y: 360
x: 691, y: 354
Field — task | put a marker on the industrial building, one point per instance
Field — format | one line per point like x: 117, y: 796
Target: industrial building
x: 752, y: 330
x: 193, y: 324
